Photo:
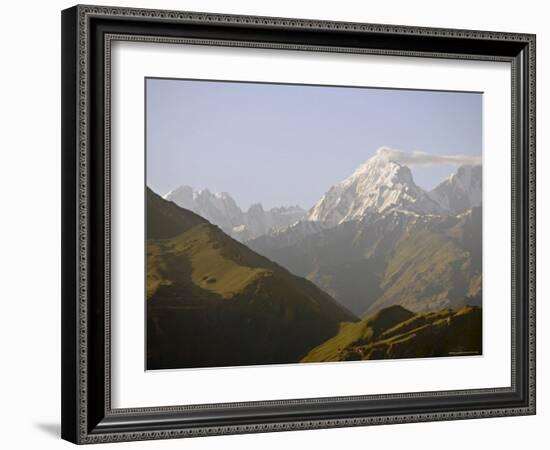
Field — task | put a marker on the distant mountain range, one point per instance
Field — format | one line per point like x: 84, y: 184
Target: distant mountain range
x: 380, y: 186
x: 377, y: 239
x: 222, y: 210
x: 373, y: 240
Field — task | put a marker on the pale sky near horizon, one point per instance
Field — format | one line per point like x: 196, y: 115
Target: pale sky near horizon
x: 287, y: 144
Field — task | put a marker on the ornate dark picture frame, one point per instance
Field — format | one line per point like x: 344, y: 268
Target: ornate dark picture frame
x: 87, y: 34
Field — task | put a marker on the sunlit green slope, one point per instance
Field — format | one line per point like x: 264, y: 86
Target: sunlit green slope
x: 395, y: 332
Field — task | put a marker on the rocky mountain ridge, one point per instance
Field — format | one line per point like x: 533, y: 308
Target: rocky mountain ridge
x: 222, y: 210
x: 376, y: 187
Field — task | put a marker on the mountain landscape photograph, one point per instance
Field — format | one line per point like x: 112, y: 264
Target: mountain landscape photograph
x: 292, y: 224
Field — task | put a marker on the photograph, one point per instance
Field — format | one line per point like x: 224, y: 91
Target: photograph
x: 293, y: 223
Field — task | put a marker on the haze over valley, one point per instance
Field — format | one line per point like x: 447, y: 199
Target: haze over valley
x: 377, y: 268
x: 372, y: 240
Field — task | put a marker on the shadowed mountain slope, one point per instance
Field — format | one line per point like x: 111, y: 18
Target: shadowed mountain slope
x: 211, y: 301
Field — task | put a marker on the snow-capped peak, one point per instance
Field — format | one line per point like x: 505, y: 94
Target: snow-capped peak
x: 460, y: 191
x: 222, y: 210
x: 376, y: 186
x: 380, y: 170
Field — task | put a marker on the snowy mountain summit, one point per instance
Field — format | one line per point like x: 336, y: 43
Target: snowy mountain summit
x: 461, y: 191
x: 215, y: 207
x: 222, y: 210
x: 377, y: 186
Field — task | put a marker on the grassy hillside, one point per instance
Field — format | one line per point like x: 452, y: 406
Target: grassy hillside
x: 211, y: 301
x: 434, y: 266
x: 396, y: 332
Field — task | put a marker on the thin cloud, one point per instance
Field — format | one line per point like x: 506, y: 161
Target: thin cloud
x: 424, y: 159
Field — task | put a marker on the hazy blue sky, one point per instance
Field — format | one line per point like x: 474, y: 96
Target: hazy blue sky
x: 287, y: 144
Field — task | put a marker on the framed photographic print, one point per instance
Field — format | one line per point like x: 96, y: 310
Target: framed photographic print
x: 277, y: 224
